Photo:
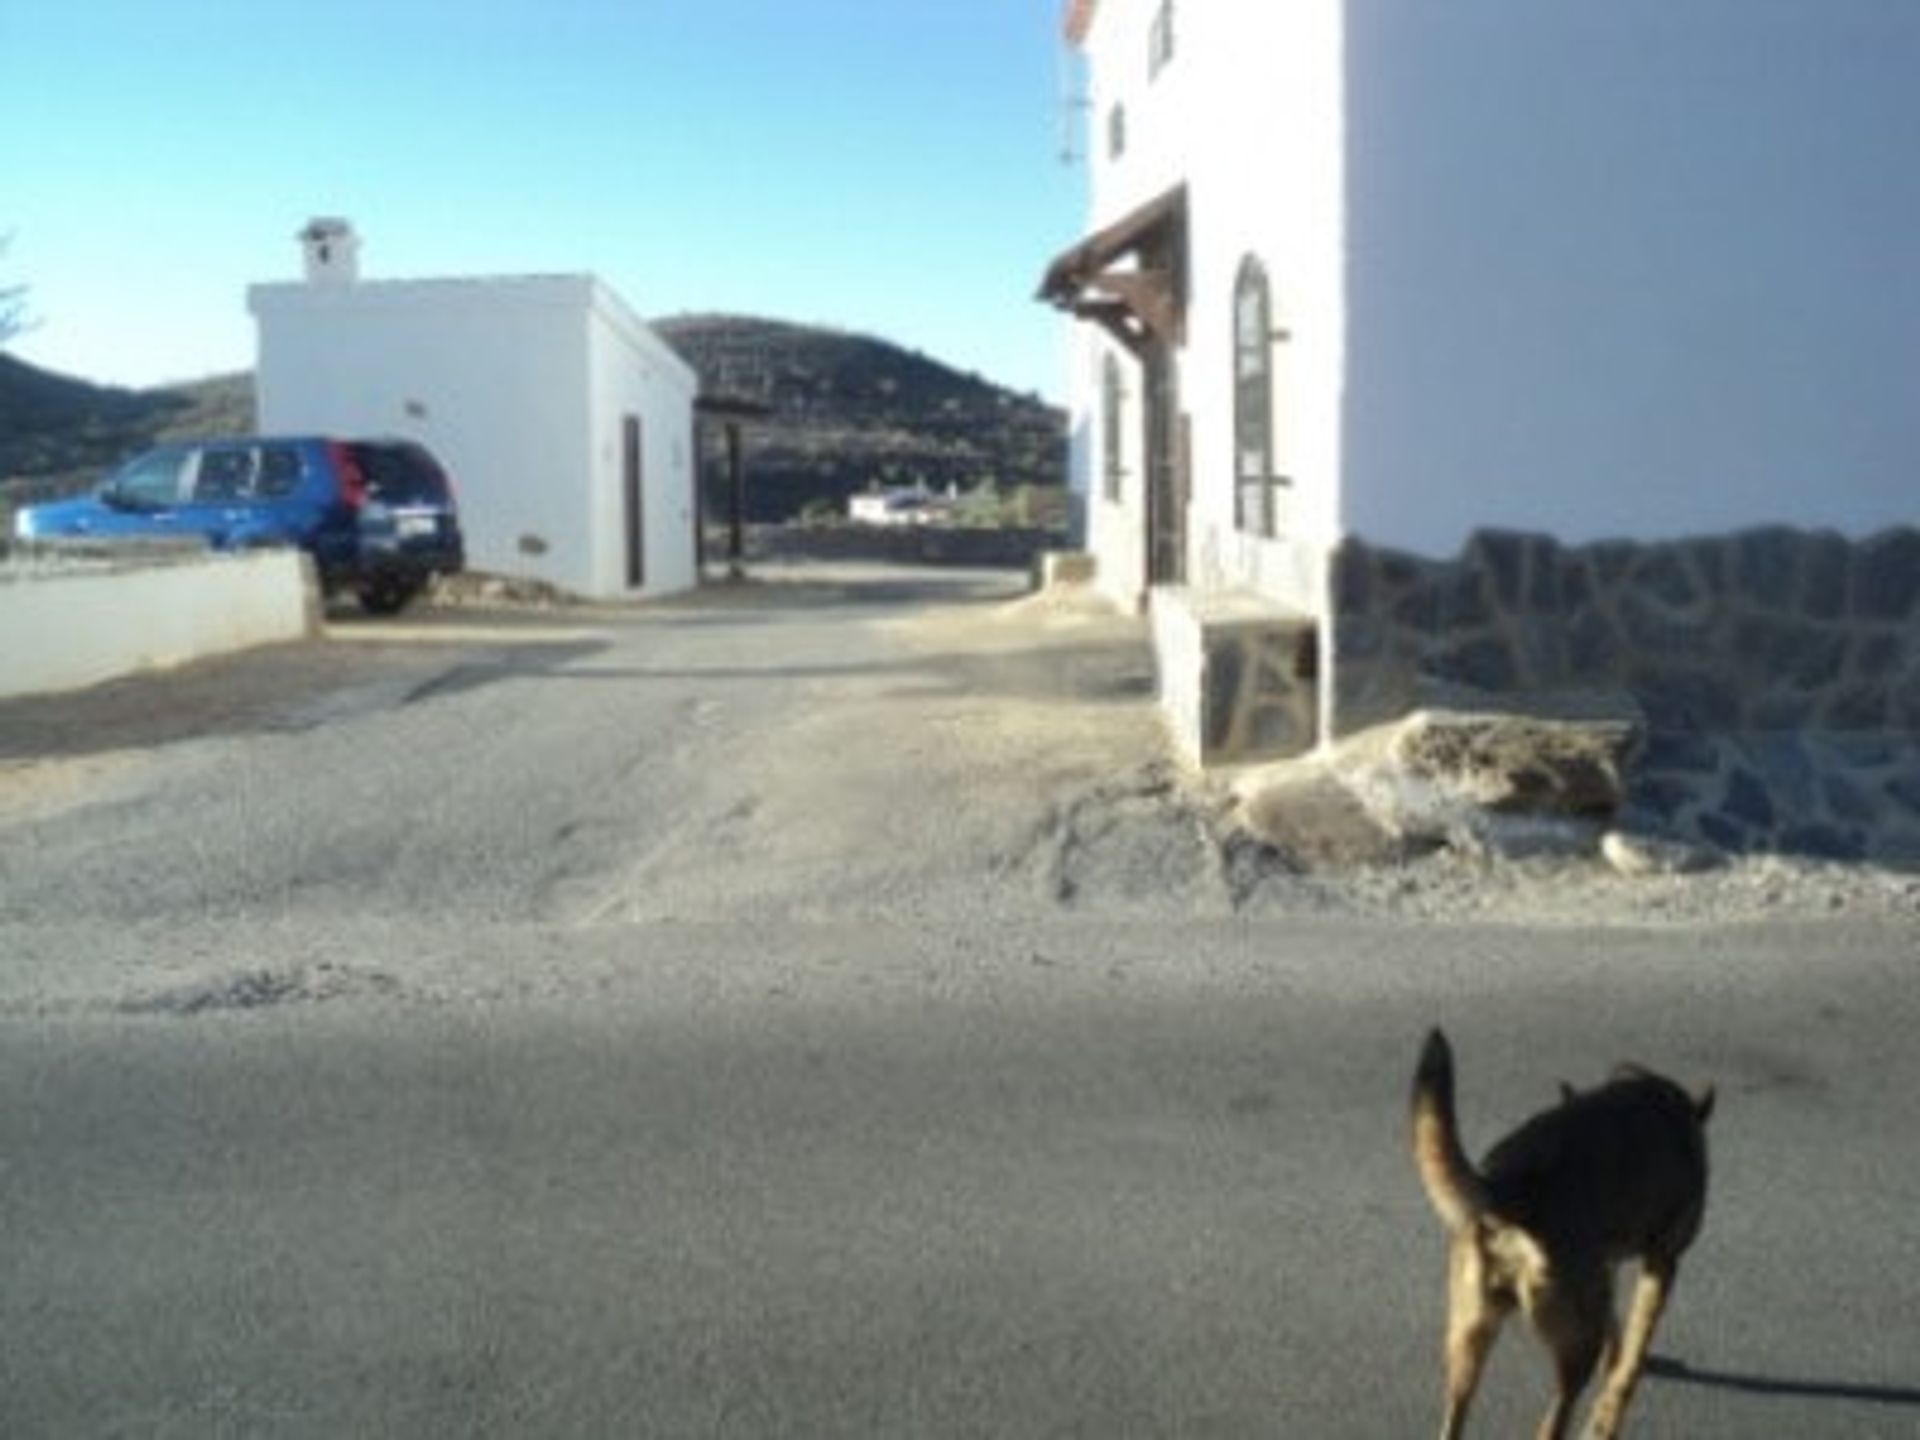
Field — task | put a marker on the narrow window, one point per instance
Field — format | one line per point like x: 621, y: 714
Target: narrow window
x: 1255, y: 482
x: 1160, y: 39
x: 1113, y: 427
x: 1116, y: 131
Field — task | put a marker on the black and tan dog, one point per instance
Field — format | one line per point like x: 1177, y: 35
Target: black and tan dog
x: 1610, y: 1174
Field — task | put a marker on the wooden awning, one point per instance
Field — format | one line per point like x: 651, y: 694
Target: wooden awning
x: 730, y: 407
x: 1130, y: 277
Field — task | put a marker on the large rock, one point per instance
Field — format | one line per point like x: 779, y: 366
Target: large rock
x: 1301, y: 809
x: 1495, y: 782
x: 1519, y: 763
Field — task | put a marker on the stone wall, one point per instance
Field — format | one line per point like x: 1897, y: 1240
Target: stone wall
x: 1777, y: 670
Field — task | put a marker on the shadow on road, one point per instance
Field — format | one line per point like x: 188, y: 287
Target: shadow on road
x: 288, y: 687
x: 1679, y: 1372
x: 362, y: 665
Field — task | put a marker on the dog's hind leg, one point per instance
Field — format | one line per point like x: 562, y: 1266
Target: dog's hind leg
x: 1475, y: 1313
x: 1572, y: 1368
x: 1573, y: 1318
x: 1469, y: 1341
x: 1649, y: 1300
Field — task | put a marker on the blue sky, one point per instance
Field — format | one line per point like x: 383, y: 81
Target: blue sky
x: 886, y: 166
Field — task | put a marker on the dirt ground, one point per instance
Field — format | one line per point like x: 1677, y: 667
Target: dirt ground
x: 1320, y: 867
x: 1025, y: 682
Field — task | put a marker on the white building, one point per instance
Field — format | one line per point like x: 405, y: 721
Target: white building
x: 900, y: 505
x: 1366, y: 280
x: 566, y: 424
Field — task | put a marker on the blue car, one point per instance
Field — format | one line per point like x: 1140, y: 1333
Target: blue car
x: 379, y: 517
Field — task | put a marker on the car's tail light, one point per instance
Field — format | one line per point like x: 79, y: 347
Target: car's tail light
x: 353, y: 480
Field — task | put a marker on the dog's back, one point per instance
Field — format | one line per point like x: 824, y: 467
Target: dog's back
x: 1620, y: 1170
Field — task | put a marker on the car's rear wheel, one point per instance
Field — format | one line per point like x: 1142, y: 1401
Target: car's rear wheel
x: 387, y: 595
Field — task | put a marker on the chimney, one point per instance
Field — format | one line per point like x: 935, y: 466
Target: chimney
x: 332, y: 251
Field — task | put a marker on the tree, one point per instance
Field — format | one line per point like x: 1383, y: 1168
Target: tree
x: 13, y: 303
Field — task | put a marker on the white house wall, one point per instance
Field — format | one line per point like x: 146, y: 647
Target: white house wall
x: 1638, y: 269
x: 1245, y: 114
x: 1284, y: 133
x: 634, y: 373
x: 1151, y: 161
x: 490, y: 375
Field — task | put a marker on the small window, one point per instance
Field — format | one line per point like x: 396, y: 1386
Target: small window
x: 1113, y: 427
x: 1256, y: 481
x: 1116, y: 131
x: 279, y: 472
x: 225, y: 475
x: 1160, y: 39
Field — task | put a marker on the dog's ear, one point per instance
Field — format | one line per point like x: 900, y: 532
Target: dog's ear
x: 1703, y: 1105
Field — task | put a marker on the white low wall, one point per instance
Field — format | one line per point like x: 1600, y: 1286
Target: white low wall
x: 69, y: 623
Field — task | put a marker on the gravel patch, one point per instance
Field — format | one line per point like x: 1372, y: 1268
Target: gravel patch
x: 262, y: 989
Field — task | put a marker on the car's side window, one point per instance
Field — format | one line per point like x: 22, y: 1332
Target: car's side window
x: 279, y: 472
x: 151, y: 480
x: 224, y: 475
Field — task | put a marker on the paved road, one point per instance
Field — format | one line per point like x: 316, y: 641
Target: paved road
x: 501, y: 1112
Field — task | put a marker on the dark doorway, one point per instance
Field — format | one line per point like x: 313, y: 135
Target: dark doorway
x: 1166, y: 470
x: 633, y: 476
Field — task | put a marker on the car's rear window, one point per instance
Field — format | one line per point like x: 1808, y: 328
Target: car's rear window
x: 401, y: 475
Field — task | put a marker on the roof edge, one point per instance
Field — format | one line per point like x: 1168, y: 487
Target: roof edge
x: 1078, y: 20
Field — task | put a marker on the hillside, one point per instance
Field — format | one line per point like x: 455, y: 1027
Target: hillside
x: 58, y: 433
x: 850, y: 412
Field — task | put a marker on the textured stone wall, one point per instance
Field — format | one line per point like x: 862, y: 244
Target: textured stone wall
x: 1777, y: 670
x: 1259, y: 701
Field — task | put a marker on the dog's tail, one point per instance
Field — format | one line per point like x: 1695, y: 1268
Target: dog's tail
x: 1456, y: 1189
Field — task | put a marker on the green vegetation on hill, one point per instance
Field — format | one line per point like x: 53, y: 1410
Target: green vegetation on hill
x: 850, y: 413
x: 59, y: 434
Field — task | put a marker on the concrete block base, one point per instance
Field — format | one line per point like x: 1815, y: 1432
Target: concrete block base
x: 1238, y: 675
x: 1062, y: 567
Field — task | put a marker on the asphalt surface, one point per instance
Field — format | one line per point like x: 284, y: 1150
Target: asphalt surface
x: 758, y: 1017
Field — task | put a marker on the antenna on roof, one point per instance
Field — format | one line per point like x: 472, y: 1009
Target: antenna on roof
x: 1074, y: 104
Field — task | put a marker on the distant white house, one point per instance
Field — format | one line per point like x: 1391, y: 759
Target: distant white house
x: 565, y: 422
x: 901, y: 505
x: 1369, y: 288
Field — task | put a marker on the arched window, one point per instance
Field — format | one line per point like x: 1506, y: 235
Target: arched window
x: 1113, y: 426
x: 1255, y: 507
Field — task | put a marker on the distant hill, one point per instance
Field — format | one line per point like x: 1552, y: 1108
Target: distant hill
x: 58, y: 433
x: 850, y: 412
